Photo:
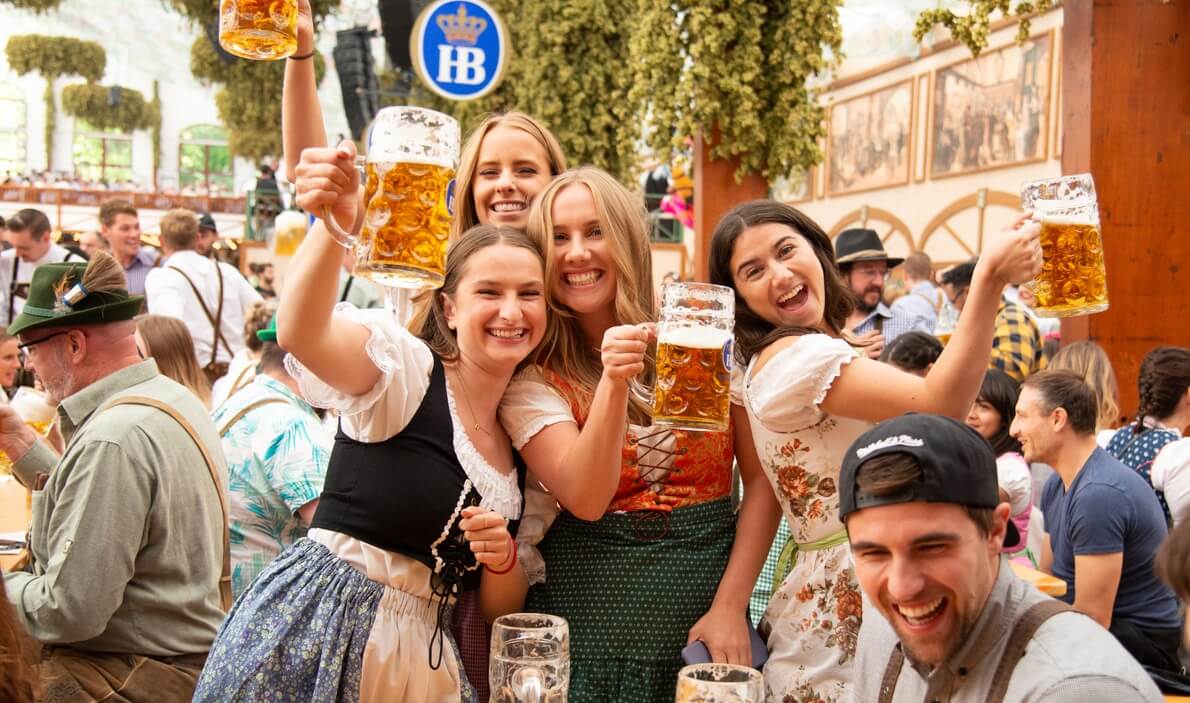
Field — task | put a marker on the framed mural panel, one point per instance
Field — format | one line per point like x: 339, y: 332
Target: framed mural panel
x: 797, y: 187
x: 992, y: 111
x: 869, y: 140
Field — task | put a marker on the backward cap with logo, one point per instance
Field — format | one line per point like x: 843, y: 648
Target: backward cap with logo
x: 70, y: 294
x: 957, y: 466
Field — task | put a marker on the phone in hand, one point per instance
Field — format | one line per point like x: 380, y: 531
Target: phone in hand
x: 697, y: 653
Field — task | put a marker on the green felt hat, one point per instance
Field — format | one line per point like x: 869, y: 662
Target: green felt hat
x: 58, y: 298
x: 268, y: 334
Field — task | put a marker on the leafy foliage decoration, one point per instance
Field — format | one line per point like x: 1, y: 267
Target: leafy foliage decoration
x: 113, y: 108
x: 972, y: 28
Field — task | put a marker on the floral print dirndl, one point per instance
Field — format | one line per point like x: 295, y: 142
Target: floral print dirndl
x: 813, y: 619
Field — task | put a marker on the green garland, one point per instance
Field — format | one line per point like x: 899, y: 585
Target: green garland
x: 249, y: 95
x: 92, y: 102
x: 972, y: 29
x: 155, y: 107
x: 736, y: 71
x: 52, y: 57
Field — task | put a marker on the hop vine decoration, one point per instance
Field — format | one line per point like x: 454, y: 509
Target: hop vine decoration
x: 53, y: 57
x: 735, y: 70
x: 249, y: 95
x: 109, y: 108
x: 33, y: 5
x: 972, y: 29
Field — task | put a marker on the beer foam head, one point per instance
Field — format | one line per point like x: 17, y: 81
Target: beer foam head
x: 695, y: 337
x: 1049, y: 218
x: 32, y: 407
x: 414, y: 135
x: 291, y: 219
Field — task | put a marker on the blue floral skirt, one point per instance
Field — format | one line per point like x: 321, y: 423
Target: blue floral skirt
x: 300, y: 631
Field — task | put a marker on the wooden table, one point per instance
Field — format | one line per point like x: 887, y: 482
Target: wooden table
x: 1049, y: 585
x: 14, y: 512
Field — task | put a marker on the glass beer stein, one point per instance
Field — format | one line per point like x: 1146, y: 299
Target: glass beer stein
x: 530, y: 659
x: 264, y: 30
x: 288, y: 232
x: 719, y: 683
x: 1073, y: 278
x: 692, y: 390
x: 409, y: 188
x: 31, y: 406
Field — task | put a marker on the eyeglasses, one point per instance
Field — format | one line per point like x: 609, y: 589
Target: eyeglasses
x: 24, y: 348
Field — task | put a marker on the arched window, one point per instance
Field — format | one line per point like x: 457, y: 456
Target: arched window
x: 204, y: 161
x: 12, y: 130
x: 102, y: 156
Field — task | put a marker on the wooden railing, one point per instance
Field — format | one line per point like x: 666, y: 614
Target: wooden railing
x: 57, y: 197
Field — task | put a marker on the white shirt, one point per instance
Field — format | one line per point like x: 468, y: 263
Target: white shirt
x: 168, y: 293
x: 1170, y: 474
x: 53, y: 255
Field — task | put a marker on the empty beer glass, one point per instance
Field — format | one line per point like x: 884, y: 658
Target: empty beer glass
x: 409, y: 187
x: 263, y: 30
x: 694, y: 357
x: 530, y: 659
x: 719, y: 683
x: 31, y: 406
x: 1073, y: 278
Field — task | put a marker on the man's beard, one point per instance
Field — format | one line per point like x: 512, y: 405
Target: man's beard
x: 862, y: 303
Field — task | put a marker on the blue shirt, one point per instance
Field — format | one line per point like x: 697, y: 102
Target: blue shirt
x: 894, y: 323
x: 277, y: 454
x: 921, y: 306
x: 1110, y: 509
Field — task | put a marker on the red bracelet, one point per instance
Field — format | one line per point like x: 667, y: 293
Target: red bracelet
x: 511, y: 562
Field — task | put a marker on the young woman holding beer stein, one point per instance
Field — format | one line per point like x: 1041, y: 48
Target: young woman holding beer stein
x: 640, y: 579
x: 423, y: 486
x: 808, y: 394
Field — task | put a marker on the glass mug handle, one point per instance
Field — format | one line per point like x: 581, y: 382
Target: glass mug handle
x: 342, y: 237
x: 527, y: 685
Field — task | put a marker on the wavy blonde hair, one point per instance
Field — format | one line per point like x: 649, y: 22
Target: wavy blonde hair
x: 624, y: 223
x: 167, y: 341
x: 465, y: 216
x: 1090, y: 361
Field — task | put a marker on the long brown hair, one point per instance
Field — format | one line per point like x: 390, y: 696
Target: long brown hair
x: 18, y: 680
x: 624, y: 223
x: 168, y: 342
x: 1162, y: 383
x: 1090, y: 361
x: 752, y: 332
x: 434, y: 330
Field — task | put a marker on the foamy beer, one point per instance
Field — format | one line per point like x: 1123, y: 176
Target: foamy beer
x: 1073, y: 278
x: 288, y: 232
x: 408, y: 198
x: 694, y: 357
x: 32, y: 407
x: 263, y: 30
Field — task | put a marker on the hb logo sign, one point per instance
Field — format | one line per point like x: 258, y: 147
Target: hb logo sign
x: 459, y: 48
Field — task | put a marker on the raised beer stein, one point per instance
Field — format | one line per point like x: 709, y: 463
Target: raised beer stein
x: 719, y: 683
x: 34, y: 408
x: 530, y: 659
x: 409, y: 193
x: 692, y: 390
x: 1073, y: 278
x: 288, y: 232
x: 264, y: 30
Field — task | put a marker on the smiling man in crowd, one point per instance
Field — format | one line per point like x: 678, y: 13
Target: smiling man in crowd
x: 951, y: 620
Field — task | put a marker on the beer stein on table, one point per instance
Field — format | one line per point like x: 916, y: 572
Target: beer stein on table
x: 719, y: 683
x: 530, y: 659
x: 31, y: 406
x: 694, y: 357
x: 1073, y: 278
x: 409, y: 187
x: 264, y: 30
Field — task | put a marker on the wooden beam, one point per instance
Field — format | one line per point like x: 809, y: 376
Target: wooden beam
x: 716, y: 192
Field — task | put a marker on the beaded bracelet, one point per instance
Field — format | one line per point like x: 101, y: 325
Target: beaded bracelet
x: 511, y: 562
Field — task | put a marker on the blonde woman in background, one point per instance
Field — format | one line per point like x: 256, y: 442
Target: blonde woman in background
x: 1088, y: 360
x: 242, y: 368
x: 167, y: 341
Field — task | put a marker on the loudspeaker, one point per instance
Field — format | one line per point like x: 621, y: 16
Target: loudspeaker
x: 357, y: 78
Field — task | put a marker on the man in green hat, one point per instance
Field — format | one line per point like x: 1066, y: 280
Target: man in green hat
x: 129, y: 532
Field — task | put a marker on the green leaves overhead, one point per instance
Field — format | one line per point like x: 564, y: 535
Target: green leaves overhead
x: 52, y: 57
x: 972, y: 28
x: 34, y: 5
x: 109, y: 108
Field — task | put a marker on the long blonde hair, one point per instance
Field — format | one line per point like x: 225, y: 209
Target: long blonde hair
x: 168, y: 342
x: 624, y: 223
x: 1090, y: 361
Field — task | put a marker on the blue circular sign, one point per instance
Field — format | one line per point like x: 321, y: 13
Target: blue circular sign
x: 459, y: 48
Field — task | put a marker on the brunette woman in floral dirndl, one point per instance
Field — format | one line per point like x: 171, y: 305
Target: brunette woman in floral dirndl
x: 665, y: 563
x: 808, y: 394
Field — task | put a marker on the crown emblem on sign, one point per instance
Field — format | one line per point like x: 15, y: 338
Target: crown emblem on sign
x: 460, y: 28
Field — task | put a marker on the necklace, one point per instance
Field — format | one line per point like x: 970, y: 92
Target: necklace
x: 467, y: 398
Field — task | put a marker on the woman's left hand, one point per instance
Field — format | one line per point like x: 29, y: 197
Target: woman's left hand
x: 725, y: 633
x: 487, y: 532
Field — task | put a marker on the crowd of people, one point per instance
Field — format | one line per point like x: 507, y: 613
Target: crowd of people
x: 329, y: 495
x: 72, y: 181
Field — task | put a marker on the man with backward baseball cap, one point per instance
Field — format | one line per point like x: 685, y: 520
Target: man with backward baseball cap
x: 918, y: 495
